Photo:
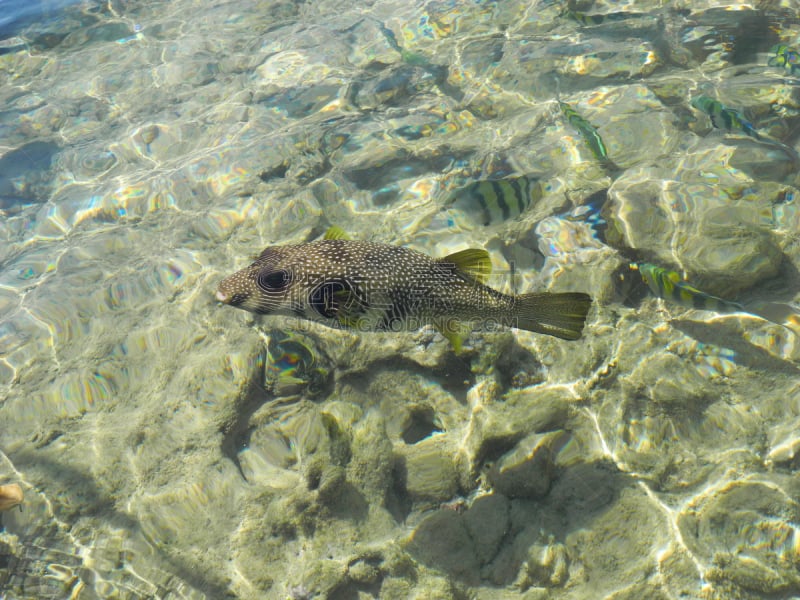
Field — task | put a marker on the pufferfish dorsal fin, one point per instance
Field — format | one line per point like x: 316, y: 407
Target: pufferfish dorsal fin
x: 474, y: 262
x: 336, y: 233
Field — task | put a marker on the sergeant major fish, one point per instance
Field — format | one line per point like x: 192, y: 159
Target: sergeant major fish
x: 497, y: 200
x: 786, y: 57
x: 669, y: 285
x: 723, y: 117
x: 371, y: 286
x: 626, y: 20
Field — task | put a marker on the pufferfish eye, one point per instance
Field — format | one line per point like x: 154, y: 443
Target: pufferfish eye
x: 274, y: 281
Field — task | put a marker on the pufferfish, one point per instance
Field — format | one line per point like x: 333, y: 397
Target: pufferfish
x: 369, y: 286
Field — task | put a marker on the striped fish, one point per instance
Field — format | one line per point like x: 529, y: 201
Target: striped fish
x: 723, y: 117
x: 669, y: 285
x: 588, y: 132
x: 590, y: 212
x: 494, y: 201
x: 598, y: 19
x: 584, y: 18
x: 786, y: 57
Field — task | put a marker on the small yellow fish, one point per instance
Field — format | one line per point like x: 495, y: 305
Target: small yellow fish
x: 370, y: 286
x: 786, y: 57
x: 670, y: 286
x: 723, y: 117
x: 589, y: 133
x: 599, y: 19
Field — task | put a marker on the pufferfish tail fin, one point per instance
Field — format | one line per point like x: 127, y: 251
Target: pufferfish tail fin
x: 560, y: 315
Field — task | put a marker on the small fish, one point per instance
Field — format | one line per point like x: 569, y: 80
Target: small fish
x: 599, y: 19
x: 723, y: 117
x: 497, y: 200
x: 370, y: 286
x: 591, y: 213
x: 786, y: 57
x: 669, y: 285
x: 400, y: 83
x: 584, y: 18
x: 411, y: 58
x: 415, y: 132
x: 588, y: 132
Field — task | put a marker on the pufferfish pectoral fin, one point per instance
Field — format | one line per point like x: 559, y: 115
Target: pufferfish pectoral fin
x: 474, y: 262
x: 340, y: 299
x: 454, y: 331
x: 351, y: 309
x: 331, y: 298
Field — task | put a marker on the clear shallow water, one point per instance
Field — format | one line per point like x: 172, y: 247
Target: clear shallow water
x: 15, y: 15
x: 172, y: 447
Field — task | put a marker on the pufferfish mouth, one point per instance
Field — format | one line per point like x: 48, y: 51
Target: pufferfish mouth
x: 231, y: 299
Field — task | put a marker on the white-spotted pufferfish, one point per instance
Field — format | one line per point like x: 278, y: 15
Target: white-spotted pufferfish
x: 371, y: 286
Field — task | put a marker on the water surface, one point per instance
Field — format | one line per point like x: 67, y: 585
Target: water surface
x: 172, y: 447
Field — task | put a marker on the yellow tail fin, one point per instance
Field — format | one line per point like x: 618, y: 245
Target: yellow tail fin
x: 559, y: 315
